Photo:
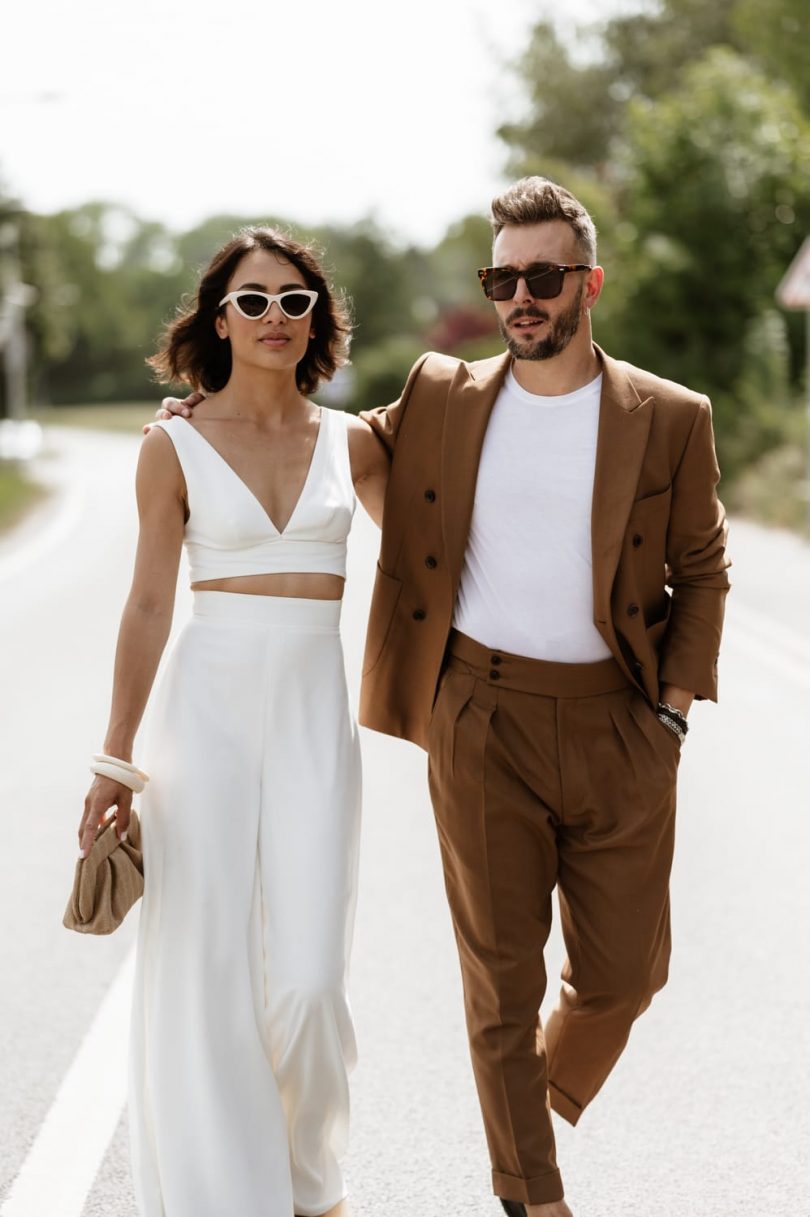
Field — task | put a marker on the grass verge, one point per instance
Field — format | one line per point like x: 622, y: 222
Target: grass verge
x: 772, y: 491
x: 17, y: 494
x: 126, y: 417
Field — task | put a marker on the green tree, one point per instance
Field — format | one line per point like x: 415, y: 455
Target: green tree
x: 648, y: 52
x: 102, y: 292
x: 776, y: 35
x: 577, y: 83
x: 574, y: 109
x: 715, y: 205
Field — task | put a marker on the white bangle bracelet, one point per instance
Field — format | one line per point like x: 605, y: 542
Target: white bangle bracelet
x: 122, y: 776
x: 102, y: 759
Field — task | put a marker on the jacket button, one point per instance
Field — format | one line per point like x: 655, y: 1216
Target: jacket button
x: 494, y: 674
x: 495, y: 659
x: 632, y: 610
x: 637, y: 540
x: 430, y: 562
x: 419, y: 614
x: 638, y: 665
x: 430, y: 495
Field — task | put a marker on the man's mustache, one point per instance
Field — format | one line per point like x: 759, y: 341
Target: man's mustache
x: 535, y: 313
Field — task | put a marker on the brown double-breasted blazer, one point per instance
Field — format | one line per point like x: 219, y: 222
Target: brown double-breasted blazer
x: 658, y: 533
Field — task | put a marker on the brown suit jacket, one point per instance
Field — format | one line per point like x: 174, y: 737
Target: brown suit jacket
x: 658, y: 533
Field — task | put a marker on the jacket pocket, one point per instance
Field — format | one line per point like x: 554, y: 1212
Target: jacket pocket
x: 384, y: 600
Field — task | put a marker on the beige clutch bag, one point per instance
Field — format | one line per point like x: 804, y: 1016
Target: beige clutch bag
x: 107, y: 882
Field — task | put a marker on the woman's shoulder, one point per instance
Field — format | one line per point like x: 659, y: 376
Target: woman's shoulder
x: 159, y: 461
x: 357, y: 425
x: 366, y: 453
x: 361, y: 436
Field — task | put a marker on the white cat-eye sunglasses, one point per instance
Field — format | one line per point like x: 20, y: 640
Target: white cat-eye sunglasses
x: 255, y: 305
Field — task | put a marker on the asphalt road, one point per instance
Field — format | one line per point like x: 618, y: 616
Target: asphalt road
x: 707, y: 1113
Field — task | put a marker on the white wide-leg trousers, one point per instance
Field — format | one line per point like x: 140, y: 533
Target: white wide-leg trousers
x: 242, y: 1037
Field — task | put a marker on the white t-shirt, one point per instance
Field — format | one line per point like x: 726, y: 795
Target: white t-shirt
x: 527, y: 581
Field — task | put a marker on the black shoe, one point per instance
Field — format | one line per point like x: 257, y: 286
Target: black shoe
x: 513, y: 1208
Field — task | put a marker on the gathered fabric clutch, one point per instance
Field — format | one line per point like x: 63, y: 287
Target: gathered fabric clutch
x: 107, y: 882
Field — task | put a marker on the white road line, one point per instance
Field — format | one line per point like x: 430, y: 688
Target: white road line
x: 62, y: 1164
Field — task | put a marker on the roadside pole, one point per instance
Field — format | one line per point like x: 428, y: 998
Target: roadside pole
x: 794, y: 293
x: 20, y: 436
x: 15, y: 298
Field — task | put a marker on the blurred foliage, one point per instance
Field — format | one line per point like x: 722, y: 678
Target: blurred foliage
x: 685, y: 129
x: 381, y: 370
x: 776, y: 34
x: 715, y: 191
x: 771, y: 490
x: 574, y: 109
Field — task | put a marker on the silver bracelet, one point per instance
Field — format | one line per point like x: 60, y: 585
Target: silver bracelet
x: 675, y: 715
x: 673, y: 726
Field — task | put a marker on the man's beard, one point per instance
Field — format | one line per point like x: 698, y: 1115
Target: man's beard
x: 558, y: 333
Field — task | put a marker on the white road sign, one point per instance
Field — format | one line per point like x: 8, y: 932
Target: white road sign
x: 794, y: 290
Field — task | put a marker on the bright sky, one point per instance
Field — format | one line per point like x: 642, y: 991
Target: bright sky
x: 313, y: 110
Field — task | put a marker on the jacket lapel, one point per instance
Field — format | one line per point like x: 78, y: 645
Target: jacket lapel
x: 624, y: 425
x: 469, y: 406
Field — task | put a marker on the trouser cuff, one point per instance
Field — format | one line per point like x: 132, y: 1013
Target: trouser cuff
x: 543, y: 1189
x: 563, y: 1104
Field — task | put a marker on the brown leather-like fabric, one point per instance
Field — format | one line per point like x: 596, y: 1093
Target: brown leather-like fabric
x: 658, y: 533
x: 107, y: 882
x: 547, y: 774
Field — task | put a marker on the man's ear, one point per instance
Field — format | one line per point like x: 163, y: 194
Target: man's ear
x: 593, y: 288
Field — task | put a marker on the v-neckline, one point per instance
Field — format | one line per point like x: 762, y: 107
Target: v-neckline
x: 278, y: 531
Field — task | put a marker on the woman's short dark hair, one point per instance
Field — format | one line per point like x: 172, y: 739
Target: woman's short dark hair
x: 192, y: 352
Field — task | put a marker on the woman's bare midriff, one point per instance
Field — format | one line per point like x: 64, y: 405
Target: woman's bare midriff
x: 303, y: 587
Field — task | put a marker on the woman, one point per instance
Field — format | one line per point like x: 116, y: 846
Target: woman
x: 242, y: 1037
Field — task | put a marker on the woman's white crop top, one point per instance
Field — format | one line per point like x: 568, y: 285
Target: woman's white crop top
x: 229, y: 533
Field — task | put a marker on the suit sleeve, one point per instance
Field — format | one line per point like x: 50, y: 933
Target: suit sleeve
x: 385, y: 421
x: 696, y: 557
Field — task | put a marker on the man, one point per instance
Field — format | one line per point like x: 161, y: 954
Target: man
x: 548, y: 603
x: 540, y: 505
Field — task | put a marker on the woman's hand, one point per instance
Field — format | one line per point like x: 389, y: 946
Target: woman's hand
x: 102, y: 795
x: 173, y: 405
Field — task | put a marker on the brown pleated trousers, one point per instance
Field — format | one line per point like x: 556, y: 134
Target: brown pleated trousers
x: 546, y: 774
